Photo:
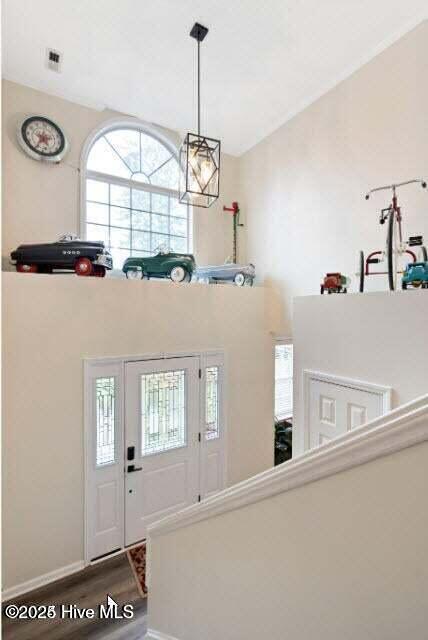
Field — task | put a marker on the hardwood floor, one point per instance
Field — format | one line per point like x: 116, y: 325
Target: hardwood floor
x: 88, y: 588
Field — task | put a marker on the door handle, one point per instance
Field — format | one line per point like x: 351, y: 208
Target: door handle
x: 132, y: 468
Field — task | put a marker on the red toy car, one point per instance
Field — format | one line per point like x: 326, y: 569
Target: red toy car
x: 335, y: 283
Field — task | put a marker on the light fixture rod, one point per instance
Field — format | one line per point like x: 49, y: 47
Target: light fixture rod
x: 199, y: 154
x: 199, y: 88
x: 199, y: 32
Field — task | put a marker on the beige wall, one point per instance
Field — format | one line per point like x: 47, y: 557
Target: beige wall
x: 50, y: 324
x: 41, y: 201
x: 304, y: 185
x: 344, y: 557
x: 376, y: 337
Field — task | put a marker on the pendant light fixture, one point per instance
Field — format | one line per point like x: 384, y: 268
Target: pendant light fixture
x: 199, y: 155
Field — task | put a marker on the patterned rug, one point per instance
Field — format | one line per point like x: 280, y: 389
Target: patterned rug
x: 137, y: 560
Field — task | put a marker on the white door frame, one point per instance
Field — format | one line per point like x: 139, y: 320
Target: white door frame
x: 384, y: 393
x: 117, y: 365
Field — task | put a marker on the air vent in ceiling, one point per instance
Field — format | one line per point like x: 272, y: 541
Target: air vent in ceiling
x: 54, y: 60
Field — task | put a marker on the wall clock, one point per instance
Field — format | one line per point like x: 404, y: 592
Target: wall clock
x: 42, y: 139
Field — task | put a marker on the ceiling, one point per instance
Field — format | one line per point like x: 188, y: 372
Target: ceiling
x: 262, y: 62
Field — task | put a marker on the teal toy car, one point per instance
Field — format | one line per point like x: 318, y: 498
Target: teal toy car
x: 179, y: 267
x: 416, y: 275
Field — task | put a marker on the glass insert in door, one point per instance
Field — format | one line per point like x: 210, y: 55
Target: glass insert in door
x: 105, y: 414
x: 163, y: 411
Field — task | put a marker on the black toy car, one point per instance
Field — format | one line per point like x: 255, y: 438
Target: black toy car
x: 84, y: 257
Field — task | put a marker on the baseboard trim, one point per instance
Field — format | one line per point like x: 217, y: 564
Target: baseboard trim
x: 41, y: 581
x: 157, y: 635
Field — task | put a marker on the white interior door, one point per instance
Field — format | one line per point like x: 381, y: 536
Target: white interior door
x: 335, y: 409
x: 161, y: 441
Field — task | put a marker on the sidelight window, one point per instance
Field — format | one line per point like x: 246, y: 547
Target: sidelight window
x: 105, y: 417
x: 211, y: 403
x: 283, y: 381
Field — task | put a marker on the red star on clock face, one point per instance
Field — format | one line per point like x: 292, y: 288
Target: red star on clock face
x: 43, y: 137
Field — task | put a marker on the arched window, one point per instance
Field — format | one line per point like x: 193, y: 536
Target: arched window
x: 130, y: 188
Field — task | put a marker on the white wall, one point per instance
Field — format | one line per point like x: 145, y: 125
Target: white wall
x: 341, y: 558
x: 304, y: 185
x: 375, y: 337
x: 41, y: 201
x: 50, y: 324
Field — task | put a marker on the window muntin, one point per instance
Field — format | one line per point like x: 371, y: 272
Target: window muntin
x: 131, y: 187
x: 163, y: 411
x: 283, y: 381
x: 105, y: 420
x: 211, y: 403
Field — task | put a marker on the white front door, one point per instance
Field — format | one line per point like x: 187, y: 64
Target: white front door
x: 155, y: 443
x: 336, y: 408
x: 161, y: 441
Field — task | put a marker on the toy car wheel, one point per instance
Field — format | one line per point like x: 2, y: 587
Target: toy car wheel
x: 322, y: 289
x: 362, y: 271
x: 26, y: 268
x: 239, y: 279
x: 99, y: 271
x: 84, y: 267
x: 178, y: 274
x: 135, y: 273
x: 404, y: 285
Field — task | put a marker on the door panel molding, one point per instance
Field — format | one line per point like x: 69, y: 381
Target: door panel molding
x: 384, y: 393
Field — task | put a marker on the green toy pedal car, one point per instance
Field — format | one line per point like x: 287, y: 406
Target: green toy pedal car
x: 179, y: 267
